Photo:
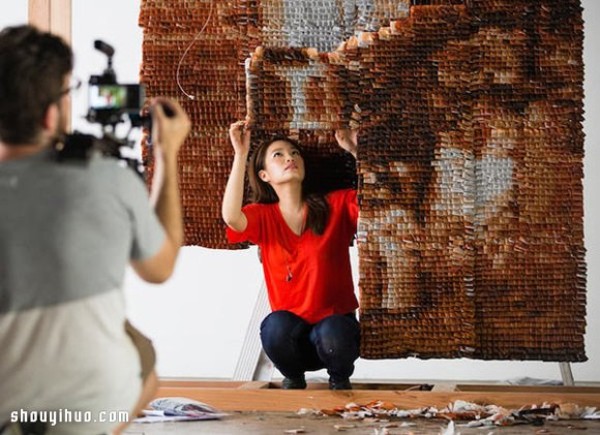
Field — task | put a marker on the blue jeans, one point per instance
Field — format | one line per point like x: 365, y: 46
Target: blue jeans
x: 295, y: 346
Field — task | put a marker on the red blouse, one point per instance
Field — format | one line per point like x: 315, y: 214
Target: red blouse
x: 308, y: 275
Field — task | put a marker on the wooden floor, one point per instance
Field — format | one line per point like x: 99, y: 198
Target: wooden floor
x: 277, y: 423
x: 268, y: 396
x: 263, y: 408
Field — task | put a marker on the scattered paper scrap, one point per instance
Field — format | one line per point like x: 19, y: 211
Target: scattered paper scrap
x: 343, y: 427
x: 178, y: 409
x: 299, y: 430
x: 450, y: 429
x: 476, y: 415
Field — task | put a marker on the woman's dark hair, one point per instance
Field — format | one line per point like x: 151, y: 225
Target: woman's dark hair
x: 262, y: 192
x: 33, y: 67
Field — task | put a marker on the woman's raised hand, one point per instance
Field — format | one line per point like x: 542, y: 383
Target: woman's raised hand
x: 347, y: 139
x: 231, y: 209
x: 239, y: 134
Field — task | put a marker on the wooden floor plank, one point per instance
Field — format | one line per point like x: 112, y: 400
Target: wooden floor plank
x: 236, y: 396
x: 272, y: 423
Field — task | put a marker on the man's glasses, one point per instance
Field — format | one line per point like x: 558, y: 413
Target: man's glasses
x: 74, y: 85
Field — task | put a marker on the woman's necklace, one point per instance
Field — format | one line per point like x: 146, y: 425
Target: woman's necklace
x: 292, y: 256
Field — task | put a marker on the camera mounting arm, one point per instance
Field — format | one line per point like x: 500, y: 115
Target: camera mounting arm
x: 109, y: 75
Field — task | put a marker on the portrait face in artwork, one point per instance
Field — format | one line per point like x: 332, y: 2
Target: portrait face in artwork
x: 470, y: 151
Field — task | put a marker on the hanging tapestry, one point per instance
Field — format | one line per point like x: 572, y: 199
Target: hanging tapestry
x: 470, y: 152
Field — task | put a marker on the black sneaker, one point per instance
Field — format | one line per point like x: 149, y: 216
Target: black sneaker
x: 293, y: 383
x: 344, y: 384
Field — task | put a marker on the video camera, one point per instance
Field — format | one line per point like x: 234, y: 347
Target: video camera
x: 109, y: 103
x: 109, y: 100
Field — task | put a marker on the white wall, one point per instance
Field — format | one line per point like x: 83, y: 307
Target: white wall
x: 198, y: 319
x: 13, y: 12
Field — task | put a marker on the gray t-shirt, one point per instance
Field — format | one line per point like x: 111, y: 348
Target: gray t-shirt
x: 68, y: 229
x: 67, y: 233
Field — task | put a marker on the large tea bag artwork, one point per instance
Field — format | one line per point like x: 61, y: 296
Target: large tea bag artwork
x: 469, y: 168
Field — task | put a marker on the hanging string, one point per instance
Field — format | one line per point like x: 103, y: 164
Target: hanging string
x: 192, y: 97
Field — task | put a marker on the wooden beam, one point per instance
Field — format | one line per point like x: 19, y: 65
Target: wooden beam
x: 60, y: 18
x: 39, y: 14
x: 54, y: 16
x: 236, y: 396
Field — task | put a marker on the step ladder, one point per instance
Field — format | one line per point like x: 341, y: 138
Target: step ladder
x: 254, y: 365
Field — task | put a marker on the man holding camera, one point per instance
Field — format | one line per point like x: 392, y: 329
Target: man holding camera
x: 68, y: 229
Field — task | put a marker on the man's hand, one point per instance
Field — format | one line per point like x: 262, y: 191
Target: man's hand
x: 170, y: 125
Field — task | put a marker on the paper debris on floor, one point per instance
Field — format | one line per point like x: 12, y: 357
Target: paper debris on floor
x: 450, y: 429
x: 178, y: 409
x: 475, y: 415
x: 295, y: 431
